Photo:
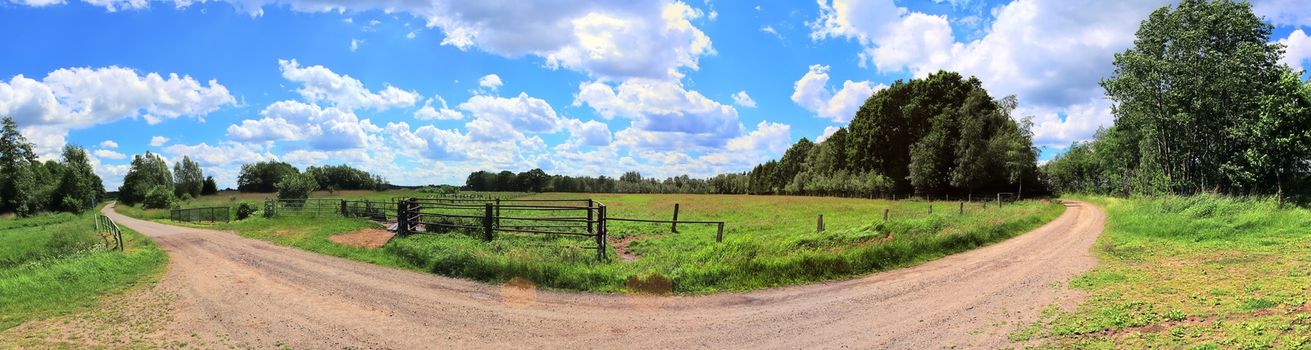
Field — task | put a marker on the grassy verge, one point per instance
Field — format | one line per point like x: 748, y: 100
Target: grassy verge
x: 55, y: 264
x: 1198, y: 272
x: 769, y: 242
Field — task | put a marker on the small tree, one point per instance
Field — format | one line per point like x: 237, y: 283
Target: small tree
x: 210, y: 187
x: 296, y: 186
x: 159, y: 197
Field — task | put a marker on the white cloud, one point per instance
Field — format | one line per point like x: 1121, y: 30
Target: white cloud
x: 320, y: 84
x: 742, y: 99
x: 812, y: 93
x: 355, y: 44
x: 490, y: 81
x: 1297, y: 48
x: 664, y: 114
x: 328, y: 128
x: 589, y: 133
x: 1050, y: 53
x: 410, y: 35
x: 108, y: 144
x: 429, y: 112
x: 1081, y: 121
x: 493, y: 115
x: 1284, y: 12
x: 768, y: 29
x: 605, y: 39
x: 773, y: 137
x: 828, y: 131
x: 156, y: 141
x: 77, y: 98
x: 107, y: 154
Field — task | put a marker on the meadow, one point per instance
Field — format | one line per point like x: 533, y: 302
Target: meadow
x: 769, y: 241
x: 1200, y: 272
x: 56, y: 263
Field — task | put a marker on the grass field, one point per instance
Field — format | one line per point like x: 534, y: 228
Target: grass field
x: 53, y: 264
x: 769, y: 241
x: 1198, y: 272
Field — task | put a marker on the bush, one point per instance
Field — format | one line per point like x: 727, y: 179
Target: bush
x: 245, y: 210
x: 159, y: 197
x: 296, y: 186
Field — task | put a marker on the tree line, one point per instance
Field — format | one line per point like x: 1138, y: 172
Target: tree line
x: 28, y: 186
x: 150, y: 183
x: 940, y: 135
x: 1201, y: 104
x: 263, y: 177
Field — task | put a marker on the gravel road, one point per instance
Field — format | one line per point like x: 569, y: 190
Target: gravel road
x: 226, y: 290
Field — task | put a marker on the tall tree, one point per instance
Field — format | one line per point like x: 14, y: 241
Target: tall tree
x: 79, y: 186
x: 1207, y: 101
x: 17, y: 181
x: 188, y: 177
x: 263, y: 176
x: 148, y: 173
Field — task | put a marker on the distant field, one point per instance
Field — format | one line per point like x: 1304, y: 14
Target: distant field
x: 1200, y: 272
x: 56, y: 263
x: 769, y: 241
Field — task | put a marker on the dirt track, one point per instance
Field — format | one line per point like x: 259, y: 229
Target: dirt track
x: 228, y: 290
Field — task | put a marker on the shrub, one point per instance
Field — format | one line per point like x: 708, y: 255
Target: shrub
x: 159, y: 197
x: 245, y: 210
x: 296, y: 186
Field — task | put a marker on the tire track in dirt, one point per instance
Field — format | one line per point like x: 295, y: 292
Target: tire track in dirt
x: 234, y: 291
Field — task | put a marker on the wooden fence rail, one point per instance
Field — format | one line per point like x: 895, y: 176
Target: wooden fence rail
x: 210, y: 214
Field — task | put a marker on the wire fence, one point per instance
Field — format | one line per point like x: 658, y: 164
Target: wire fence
x: 208, y: 214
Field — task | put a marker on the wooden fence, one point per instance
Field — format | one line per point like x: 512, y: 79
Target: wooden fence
x: 209, y: 214
x: 108, y: 229
x: 302, y: 207
x: 582, y: 218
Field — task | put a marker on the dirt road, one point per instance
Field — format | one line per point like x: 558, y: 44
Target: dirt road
x: 226, y: 290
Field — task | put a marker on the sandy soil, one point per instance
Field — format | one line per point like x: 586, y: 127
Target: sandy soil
x: 228, y: 291
x: 366, y: 238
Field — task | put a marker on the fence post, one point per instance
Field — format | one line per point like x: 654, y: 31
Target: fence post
x: 962, y: 208
x: 498, y: 212
x: 719, y: 236
x: 673, y: 226
x: 589, y: 216
x: 885, y: 214
x: 343, y: 208
x: 999, y: 199
x: 600, y: 235
x: 819, y: 223
x: 402, y: 227
x: 930, y: 209
x: 487, y: 222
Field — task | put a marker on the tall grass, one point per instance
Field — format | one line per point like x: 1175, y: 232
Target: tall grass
x: 1200, y: 271
x: 56, y: 263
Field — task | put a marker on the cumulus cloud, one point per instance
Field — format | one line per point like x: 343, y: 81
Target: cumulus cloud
x: 108, y: 154
x: 742, y: 99
x: 773, y: 137
x: 1284, y: 12
x: 1050, y: 53
x: 156, y: 141
x: 490, y: 81
x: 320, y: 84
x: 828, y: 131
x: 523, y: 113
x: 1297, y: 50
x: 429, y: 112
x: 328, y: 128
x: 812, y: 93
x: 605, y: 39
x: 110, y: 144
x: 77, y: 98
x: 664, y: 113
x: 589, y: 133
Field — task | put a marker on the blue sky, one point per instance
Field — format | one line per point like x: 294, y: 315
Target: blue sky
x: 425, y: 91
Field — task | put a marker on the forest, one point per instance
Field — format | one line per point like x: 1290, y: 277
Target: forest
x: 28, y: 186
x: 1202, y: 105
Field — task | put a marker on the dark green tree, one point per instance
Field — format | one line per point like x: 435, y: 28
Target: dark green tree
x: 263, y: 176
x: 188, y: 178
x: 147, y: 172
x: 210, y: 187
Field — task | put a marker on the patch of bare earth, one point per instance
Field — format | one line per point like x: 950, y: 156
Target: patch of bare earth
x: 365, y: 238
x: 621, y: 246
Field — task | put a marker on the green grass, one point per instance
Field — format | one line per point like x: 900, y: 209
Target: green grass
x: 1201, y: 272
x: 769, y: 241
x: 55, y: 264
